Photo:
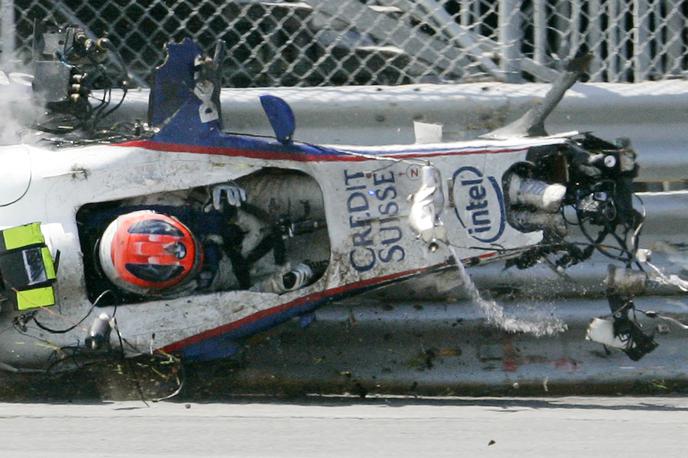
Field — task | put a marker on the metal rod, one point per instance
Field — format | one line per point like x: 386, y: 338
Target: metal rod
x: 622, y: 37
x: 510, y: 39
x: 7, y: 31
x: 641, y: 40
x: 465, y: 18
x: 595, y: 39
x: 656, y: 37
x: 540, y: 31
x: 562, y: 23
x: 613, y: 42
x: 674, y: 36
x: 574, y: 27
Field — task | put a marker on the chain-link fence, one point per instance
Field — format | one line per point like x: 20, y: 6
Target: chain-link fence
x: 345, y: 42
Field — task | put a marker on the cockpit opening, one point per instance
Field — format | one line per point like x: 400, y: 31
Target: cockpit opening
x: 265, y: 232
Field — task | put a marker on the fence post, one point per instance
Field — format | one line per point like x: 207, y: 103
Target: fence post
x: 613, y: 42
x: 540, y: 31
x: 574, y: 27
x: 465, y: 18
x: 674, y: 42
x: 7, y: 32
x: 562, y: 23
x: 510, y: 39
x: 641, y: 45
x: 595, y: 39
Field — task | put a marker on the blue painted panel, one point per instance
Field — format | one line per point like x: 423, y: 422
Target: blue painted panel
x: 281, y: 117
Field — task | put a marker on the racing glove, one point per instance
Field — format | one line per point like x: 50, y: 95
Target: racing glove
x: 233, y: 194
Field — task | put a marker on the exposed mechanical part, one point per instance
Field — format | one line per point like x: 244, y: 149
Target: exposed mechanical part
x: 99, y: 332
x: 68, y: 67
x: 543, y: 196
x: 623, y: 331
x: 585, y: 186
x: 597, y: 200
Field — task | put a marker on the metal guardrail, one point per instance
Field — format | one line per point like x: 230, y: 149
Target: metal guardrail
x: 445, y: 349
x: 352, y: 42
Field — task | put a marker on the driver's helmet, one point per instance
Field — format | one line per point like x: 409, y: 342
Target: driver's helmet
x: 146, y: 253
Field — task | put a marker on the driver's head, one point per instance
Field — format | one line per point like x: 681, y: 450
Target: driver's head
x: 144, y: 252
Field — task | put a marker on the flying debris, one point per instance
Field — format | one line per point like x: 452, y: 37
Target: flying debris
x: 176, y: 237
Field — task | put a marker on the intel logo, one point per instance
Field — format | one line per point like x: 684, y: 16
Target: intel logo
x: 479, y: 204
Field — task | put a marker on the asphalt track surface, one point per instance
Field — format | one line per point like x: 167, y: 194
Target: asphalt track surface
x: 347, y: 427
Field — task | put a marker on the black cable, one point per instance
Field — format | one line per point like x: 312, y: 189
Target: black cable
x: 601, y: 236
x: 52, y: 365
x: 64, y: 331
x: 121, y: 100
x: 73, y: 357
x: 623, y: 245
x: 180, y: 385
x: 119, y: 337
x: 167, y: 357
x: 84, y: 115
x: 107, y: 97
x: 129, y: 364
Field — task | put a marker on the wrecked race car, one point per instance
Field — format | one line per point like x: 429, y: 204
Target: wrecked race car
x: 177, y: 237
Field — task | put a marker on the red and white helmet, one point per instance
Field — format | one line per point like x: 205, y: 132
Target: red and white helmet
x: 145, y: 252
